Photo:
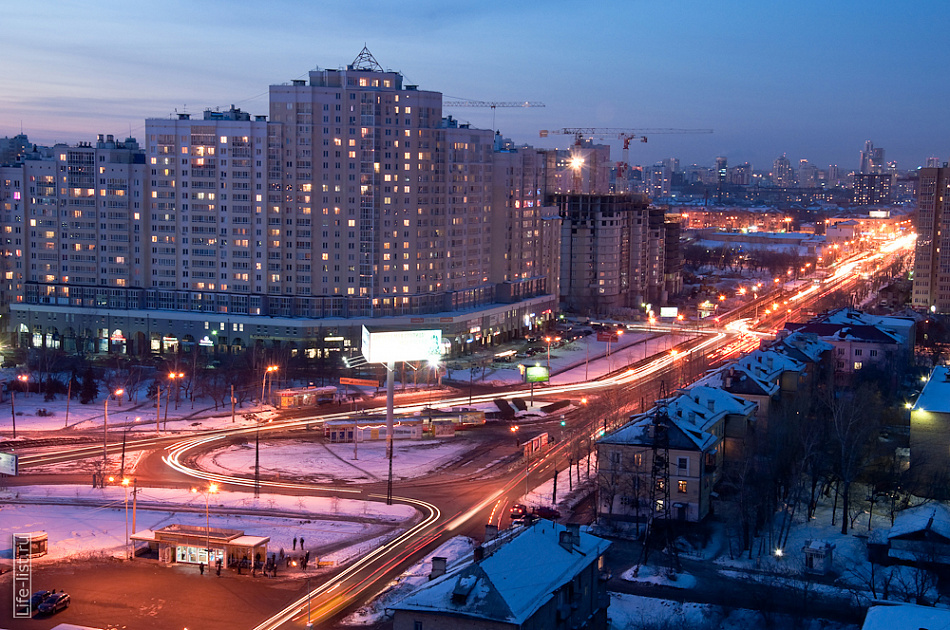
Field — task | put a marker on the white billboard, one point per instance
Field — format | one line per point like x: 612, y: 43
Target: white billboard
x: 9, y: 464
x: 401, y: 345
x: 668, y: 311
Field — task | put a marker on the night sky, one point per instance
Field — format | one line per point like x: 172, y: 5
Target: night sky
x: 811, y: 79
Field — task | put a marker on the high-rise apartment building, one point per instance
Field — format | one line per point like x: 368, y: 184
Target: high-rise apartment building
x: 872, y: 159
x: 932, y: 261
x: 353, y: 200
x: 783, y: 174
x: 612, y: 251
x: 77, y: 217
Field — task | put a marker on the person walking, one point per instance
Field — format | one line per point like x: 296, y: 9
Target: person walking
x: 201, y: 567
x: 294, y: 548
x: 301, y: 543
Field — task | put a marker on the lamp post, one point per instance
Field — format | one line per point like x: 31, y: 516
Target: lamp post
x: 212, y: 489
x: 23, y: 378
x: 270, y: 368
x: 105, y: 428
x: 125, y: 483
x: 549, y: 339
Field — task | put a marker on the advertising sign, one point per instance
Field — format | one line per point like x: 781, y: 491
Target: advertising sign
x: 668, y: 312
x: 607, y: 336
x: 9, y: 464
x: 367, y: 382
x: 536, y: 374
x: 401, y: 345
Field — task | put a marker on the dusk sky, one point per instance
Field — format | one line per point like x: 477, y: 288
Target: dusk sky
x: 811, y: 79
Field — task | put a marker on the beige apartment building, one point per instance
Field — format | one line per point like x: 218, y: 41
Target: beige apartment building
x: 354, y: 200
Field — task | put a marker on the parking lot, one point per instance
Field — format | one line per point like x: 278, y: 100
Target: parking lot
x: 153, y: 596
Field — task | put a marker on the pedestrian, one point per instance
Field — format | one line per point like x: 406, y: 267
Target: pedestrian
x: 201, y: 567
x: 295, y: 544
x: 281, y: 553
x: 218, y: 570
x: 301, y: 543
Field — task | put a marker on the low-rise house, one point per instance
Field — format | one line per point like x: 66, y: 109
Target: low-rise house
x: 703, y: 426
x: 538, y: 577
x: 884, y: 615
x: 919, y: 536
x: 857, y: 345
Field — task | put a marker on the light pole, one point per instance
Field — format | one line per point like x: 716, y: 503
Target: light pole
x: 105, y: 429
x: 212, y: 488
x: 270, y: 368
x: 125, y: 483
x: 549, y: 340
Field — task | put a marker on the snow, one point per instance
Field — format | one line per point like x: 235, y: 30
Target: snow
x: 657, y: 575
x: 631, y: 611
x: 455, y: 550
x: 98, y: 527
x: 324, y: 463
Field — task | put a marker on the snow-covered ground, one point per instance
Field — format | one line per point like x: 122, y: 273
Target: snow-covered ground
x: 631, y: 611
x: 100, y: 526
x: 323, y: 463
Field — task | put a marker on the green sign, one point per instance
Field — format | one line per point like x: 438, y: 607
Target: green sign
x: 536, y: 374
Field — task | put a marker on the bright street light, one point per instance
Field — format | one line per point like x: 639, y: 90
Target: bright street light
x: 212, y: 489
x: 105, y: 428
x: 270, y: 368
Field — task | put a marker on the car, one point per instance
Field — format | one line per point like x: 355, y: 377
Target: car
x: 547, y: 512
x: 518, y: 510
x: 54, y: 603
x: 36, y: 599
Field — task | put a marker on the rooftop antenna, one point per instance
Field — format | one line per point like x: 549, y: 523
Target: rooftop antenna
x: 366, y: 61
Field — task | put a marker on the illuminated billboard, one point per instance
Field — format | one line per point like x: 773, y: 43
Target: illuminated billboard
x: 401, y: 345
x: 668, y: 312
x: 536, y: 374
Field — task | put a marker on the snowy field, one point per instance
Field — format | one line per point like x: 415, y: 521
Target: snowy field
x: 81, y: 530
x: 324, y: 463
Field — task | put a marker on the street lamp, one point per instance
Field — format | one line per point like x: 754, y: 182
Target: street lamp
x: 125, y: 483
x: 212, y: 489
x: 23, y: 378
x: 549, y: 339
x: 270, y: 368
x: 173, y: 376
x: 105, y: 429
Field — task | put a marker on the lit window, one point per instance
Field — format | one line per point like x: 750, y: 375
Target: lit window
x: 681, y: 485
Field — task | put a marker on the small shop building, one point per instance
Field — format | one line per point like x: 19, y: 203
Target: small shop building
x: 191, y: 544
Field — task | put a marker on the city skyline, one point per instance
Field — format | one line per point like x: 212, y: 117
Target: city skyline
x: 769, y: 81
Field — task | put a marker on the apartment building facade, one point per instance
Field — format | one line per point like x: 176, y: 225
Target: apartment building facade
x: 353, y: 201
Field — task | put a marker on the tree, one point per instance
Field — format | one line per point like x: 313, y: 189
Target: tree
x: 854, y: 418
x: 90, y: 387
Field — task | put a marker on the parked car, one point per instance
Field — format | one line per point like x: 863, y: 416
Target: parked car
x: 547, y: 512
x: 36, y: 599
x: 54, y: 603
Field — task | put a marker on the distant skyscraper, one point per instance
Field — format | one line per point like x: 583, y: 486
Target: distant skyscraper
x: 872, y: 159
x: 931, y: 270
x: 807, y: 174
x: 933, y: 162
x: 871, y: 189
x: 782, y: 172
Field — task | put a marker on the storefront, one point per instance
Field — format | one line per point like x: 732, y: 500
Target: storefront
x: 190, y: 544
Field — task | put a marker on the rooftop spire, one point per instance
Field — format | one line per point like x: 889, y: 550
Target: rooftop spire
x: 366, y: 61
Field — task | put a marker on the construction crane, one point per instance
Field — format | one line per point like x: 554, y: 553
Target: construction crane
x: 465, y: 102
x: 627, y: 135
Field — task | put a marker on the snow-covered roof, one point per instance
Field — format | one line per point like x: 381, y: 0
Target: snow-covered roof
x: 846, y: 332
x: 250, y: 541
x: 740, y: 381
x: 897, y: 616
x: 902, y: 326
x: 806, y: 344
x: 936, y: 393
x: 934, y: 517
x: 693, y: 416
x: 769, y: 365
x: 516, y: 577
